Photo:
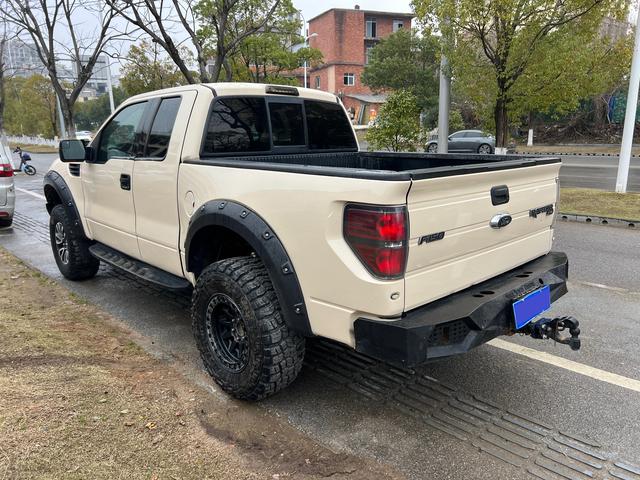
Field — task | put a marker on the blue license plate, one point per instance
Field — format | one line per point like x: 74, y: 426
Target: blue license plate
x: 531, y: 305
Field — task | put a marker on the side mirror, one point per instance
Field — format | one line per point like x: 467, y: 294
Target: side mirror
x: 72, y: 151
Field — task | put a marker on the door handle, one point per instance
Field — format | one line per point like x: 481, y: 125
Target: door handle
x: 125, y: 181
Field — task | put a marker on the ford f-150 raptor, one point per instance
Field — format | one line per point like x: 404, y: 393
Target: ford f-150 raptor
x: 258, y: 198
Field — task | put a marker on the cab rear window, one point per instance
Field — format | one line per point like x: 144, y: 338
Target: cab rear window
x: 253, y: 124
x: 237, y: 125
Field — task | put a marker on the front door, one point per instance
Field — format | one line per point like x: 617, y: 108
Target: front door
x: 107, y: 181
x: 455, y: 141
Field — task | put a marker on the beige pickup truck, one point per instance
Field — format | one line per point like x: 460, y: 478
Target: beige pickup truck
x: 258, y: 198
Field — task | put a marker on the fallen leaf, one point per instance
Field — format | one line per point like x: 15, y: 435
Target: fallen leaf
x: 103, y: 400
x: 128, y: 424
x: 151, y: 425
x: 124, y: 412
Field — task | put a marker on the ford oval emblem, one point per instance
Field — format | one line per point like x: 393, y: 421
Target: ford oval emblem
x: 500, y: 220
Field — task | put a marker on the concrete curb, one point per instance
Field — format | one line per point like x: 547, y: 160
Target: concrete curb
x: 597, y: 220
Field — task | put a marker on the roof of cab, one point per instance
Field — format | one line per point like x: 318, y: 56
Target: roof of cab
x: 237, y: 89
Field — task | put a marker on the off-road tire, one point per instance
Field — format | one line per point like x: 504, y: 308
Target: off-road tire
x: 275, y: 353
x: 5, y: 222
x: 80, y: 264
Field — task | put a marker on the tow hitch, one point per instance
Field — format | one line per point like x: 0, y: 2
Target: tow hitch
x: 551, y: 327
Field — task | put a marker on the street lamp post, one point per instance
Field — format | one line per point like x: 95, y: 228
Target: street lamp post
x: 306, y: 43
x: 108, y: 66
x: 630, y: 115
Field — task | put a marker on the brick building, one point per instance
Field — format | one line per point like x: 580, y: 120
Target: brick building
x: 345, y: 37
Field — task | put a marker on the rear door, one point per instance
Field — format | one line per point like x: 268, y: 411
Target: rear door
x: 452, y: 243
x: 155, y: 181
x: 471, y: 141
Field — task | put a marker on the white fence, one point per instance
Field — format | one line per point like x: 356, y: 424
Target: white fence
x: 25, y: 140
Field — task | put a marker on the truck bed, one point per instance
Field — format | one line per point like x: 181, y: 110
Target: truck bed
x: 390, y: 166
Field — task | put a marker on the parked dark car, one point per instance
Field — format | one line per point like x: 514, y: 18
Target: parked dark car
x: 474, y: 141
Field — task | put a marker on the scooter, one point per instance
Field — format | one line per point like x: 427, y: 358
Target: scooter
x: 24, y: 166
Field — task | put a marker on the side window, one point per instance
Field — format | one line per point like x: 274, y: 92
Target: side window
x: 287, y: 125
x: 237, y: 125
x: 457, y: 136
x: 162, y: 127
x: 118, y: 139
x: 328, y: 126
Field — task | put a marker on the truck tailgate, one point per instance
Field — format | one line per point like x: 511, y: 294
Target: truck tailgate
x: 451, y: 242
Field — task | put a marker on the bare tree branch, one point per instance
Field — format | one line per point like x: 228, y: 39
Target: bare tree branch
x: 44, y: 21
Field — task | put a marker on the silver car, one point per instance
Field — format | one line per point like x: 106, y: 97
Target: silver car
x: 7, y: 189
x: 472, y: 141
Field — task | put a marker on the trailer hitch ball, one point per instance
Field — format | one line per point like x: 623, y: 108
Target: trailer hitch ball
x: 550, y: 328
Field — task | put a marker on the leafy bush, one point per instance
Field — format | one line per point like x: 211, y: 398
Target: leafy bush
x: 397, y: 126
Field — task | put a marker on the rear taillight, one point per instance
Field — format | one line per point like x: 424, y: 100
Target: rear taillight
x: 6, y: 170
x: 378, y: 237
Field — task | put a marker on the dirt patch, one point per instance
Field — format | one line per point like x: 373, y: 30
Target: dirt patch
x: 34, y: 148
x: 80, y: 399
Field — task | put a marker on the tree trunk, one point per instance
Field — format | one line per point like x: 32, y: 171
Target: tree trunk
x: 217, y: 67
x: 502, y: 122
x: 67, y: 115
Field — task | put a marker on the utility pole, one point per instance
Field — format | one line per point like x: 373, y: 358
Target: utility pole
x: 443, y: 106
x: 630, y: 115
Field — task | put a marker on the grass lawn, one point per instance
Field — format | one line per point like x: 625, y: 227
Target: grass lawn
x: 34, y: 148
x: 79, y: 399
x: 586, y: 201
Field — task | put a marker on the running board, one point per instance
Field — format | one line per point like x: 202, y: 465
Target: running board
x: 137, y: 267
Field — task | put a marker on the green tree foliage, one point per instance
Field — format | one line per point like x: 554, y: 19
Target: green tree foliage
x: 226, y: 24
x: 397, y: 126
x: 456, y: 121
x: 91, y: 114
x: 30, y: 106
x: 512, y: 56
x: 407, y: 61
x: 146, y: 70
x: 265, y: 56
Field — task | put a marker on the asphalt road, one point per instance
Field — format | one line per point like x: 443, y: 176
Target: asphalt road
x: 596, y: 172
x: 490, y: 414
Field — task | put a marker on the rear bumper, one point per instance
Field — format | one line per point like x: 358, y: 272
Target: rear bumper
x: 463, y: 320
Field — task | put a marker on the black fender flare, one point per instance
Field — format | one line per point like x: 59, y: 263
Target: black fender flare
x: 265, y: 243
x: 54, y: 180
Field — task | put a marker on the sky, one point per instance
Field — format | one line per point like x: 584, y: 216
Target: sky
x: 311, y: 8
